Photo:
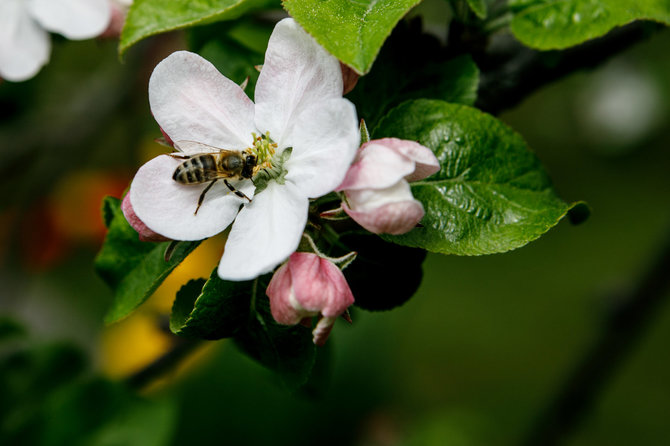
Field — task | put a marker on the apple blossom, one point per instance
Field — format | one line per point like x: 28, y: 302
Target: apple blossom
x: 309, y: 138
x: 25, y: 26
x: 306, y: 286
x: 378, y: 195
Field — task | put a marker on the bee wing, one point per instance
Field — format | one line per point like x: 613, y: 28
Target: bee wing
x: 193, y: 148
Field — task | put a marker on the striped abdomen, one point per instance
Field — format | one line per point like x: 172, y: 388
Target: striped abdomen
x: 198, y: 169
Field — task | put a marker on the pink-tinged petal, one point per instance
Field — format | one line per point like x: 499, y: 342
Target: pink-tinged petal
x: 297, y: 74
x: 319, y: 285
x: 349, y: 78
x: 118, y: 19
x: 192, y: 101
x: 24, y: 45
x: 306, y: 286
x: 377, y: 167
x: 322, y: 330
x: 167, y: 207
x: 280, y: 292
x: 145, y: 234
x: 265, y: 233
x: 75, y: 19
x: 391, y: 218
x: 324, y: 140
x: 426, y: 161
x: 368, y: 199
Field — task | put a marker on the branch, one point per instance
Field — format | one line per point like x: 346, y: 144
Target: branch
x: 163, y: 364
x: 622, y: 331
x: 510, y: 71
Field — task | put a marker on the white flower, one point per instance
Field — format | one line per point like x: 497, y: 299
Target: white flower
x: 25, y: 26
x: 299, y: 105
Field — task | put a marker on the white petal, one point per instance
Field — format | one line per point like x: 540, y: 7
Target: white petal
x: 192, y: 101
x: 24, y: 45
x: 377, y: 167
x: 367, y: 199
x: 167, y: 207
x: 75, y: 19
x: 265, y: 232
x: 324, y: 140
x: 297, y: 73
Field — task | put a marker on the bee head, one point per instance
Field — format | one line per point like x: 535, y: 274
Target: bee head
x: 249, y: 164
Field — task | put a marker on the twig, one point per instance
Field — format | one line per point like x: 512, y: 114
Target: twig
x: 510, y: 71
x: 622, y: 331
x: 163, y: 364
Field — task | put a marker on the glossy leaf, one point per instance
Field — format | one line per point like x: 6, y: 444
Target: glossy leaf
x: 407, y: 68
x: 491, y: 194
x: 286, y: 350
x: 560, y: 24
x: 133, y: 269
x: 351, y: 31
x: 213, y: 311
x: 149, y: 17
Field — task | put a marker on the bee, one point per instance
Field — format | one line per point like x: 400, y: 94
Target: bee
x: 213, y: 165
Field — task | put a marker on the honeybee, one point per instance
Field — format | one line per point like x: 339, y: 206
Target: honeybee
x: 213, y: 165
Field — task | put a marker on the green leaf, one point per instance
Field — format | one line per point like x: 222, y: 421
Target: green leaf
x: 384, y: 275
x: 286, y: 350
x: 97, y: 412
x: 213, y: 311
x: 10, y: 329
x: 407, y: 68
x: 491, y: 194
x: 133, y: 269
x: 478, y: 7
x: 149, y: 17
x: 560, y: 24
x: 351, y: 31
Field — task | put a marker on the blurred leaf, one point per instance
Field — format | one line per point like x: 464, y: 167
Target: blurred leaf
x: 478, y: 7
x: 213, y: 311
x: 148, y: 17
x: 559, y: 24
x: 27, y: 378
x: 99, y: 412
x: 491, y: 194
x: 9, y: 328
x: 384, y: 275
x: 408, y: 67
x: 351, y: 31
x: 286, y: 350
x: 133, y: 269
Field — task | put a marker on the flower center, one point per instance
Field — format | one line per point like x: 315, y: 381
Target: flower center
x: 264, y: 149
x: 275, y: 170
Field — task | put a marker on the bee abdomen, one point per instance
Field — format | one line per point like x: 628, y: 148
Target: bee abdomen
x: 195, y: 170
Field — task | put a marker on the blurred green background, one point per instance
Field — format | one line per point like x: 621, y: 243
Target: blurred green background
x: 472, y: 359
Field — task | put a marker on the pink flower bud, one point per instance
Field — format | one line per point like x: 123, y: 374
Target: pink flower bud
x: 349, y: 78
x: 376, y: 186
x: 146, y: 234
x: 307, y: 286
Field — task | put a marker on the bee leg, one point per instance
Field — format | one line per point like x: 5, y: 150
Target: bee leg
x: 235, y: 191
x: 202, y: 196
x: 178, y: 156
